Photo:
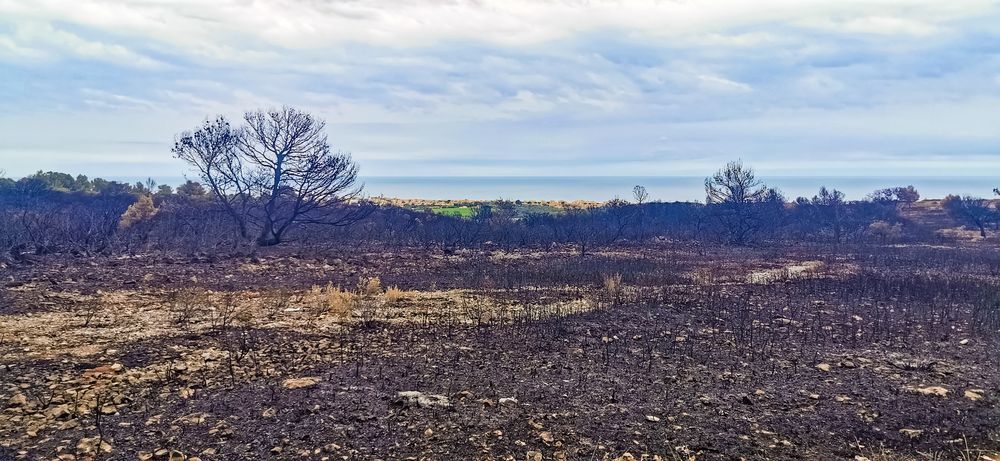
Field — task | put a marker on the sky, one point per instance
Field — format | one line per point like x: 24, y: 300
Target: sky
x: 512, y: 87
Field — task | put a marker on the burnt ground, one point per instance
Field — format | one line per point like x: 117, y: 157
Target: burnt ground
x: 700, y: 354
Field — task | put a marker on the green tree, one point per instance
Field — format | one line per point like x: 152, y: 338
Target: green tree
x: 191, y: 189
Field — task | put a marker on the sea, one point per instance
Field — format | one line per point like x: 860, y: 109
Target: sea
x: 662, y: 188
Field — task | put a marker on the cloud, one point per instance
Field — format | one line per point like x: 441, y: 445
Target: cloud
x: 225, y: 26
x: 715, y: 82
x: 890, y: 26
x: 518, y: 86
x: 14, y: 50
x: 105, y: 100
x: 38, y: 40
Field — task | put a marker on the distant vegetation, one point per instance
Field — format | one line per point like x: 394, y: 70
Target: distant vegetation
x: 58, y: 212
x: 470, y: 208
x: 474, y: 209
x: 275, y: 179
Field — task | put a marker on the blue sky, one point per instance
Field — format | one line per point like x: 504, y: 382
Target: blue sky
x: 793, y: 87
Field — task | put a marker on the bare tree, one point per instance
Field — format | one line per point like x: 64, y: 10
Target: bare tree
x: 734, y: 184
x: 640, y: 194
x: 969, y: 210
x: 621, y: 215
x: 301, y: 179
x: 830, y: 204
x: 277, y: 171
x: 212, y: 150
x: 739, y: 202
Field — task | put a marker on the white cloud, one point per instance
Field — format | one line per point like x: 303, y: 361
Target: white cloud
x: 105, y: 100
x: 527, y: 101
x: 444, y: 82
x: 715, y: 82
x: 819, y: 83
x: 891, y: 26
x: 879, y: 25
x: 231, y: 28
x: 12, y: 49
x: 46, y: 36
x: 749, y: 39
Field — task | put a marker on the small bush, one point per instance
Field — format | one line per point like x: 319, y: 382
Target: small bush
x: 886, y: 232
x: 368, y: 300
x: 222, y: 314
x: 142, y: 210
x: 187, y: 303
x: 275, y: 302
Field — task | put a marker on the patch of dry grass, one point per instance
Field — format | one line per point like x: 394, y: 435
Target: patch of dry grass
x: 613, y: 287
x: 393, y: 295
x: 369, y: 287
x: 330, y: 300
x: 801, y: 270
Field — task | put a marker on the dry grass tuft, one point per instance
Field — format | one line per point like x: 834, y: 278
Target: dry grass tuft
x: 337, y: 301
x: 613, y: 287
x: 393, y: 295
x: 370, y: 286
x: 702, y: 276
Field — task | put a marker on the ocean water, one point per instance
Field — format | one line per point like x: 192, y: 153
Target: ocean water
x: 664, y: 188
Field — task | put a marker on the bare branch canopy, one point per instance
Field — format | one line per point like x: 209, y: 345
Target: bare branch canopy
x: 275, y: 172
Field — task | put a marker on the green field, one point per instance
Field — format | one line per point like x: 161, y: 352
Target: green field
x: 469, y: 211
x: 459, y: 211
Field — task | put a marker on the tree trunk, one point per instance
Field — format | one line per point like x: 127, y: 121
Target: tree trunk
x: 268, y: 237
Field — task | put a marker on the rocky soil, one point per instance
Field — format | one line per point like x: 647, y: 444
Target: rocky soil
x: 697, y: 354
